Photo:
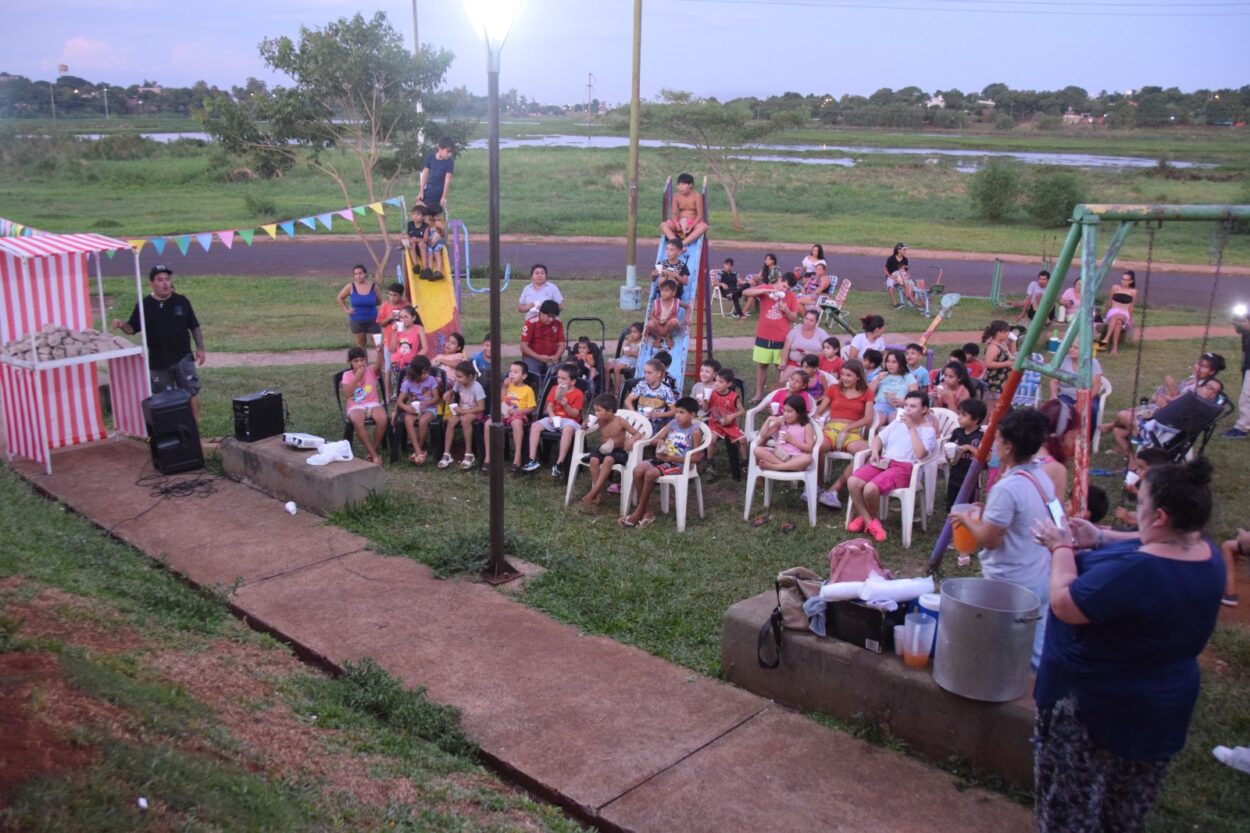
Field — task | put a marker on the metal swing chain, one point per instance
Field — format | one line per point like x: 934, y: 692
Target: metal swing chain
x: 1145, y: 305
x: 1224, y: 229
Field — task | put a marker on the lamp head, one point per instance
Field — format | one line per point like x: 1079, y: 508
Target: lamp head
x: 492, y: 20
x: 1239, y: 311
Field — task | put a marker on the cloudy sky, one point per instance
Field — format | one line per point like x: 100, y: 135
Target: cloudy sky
x: 722, y: 48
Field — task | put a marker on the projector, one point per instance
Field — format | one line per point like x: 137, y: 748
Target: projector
x: 302, y: 441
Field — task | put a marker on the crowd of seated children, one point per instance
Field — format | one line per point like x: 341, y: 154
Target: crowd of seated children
x: 673, y: 443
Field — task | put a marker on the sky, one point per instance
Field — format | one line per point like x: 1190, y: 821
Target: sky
x: 721, y: 48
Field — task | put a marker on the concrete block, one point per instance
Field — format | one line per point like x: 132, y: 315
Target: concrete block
x: 837, y: 678
x: 283, y: 472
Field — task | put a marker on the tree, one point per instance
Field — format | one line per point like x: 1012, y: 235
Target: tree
x: 725, y: 136
x: 994, y: 190
x: 350, y: 112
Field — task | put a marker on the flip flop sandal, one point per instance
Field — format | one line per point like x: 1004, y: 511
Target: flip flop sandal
x: 787, y: 527
x: 646, y: 520
x: 415, y: 459
x: 760, y: 520
x: 625, y: 522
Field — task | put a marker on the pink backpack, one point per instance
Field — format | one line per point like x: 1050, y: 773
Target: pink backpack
x: 853, y: 560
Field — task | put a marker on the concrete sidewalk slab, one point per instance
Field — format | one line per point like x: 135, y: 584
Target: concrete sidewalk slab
x: 627, y: 740
x: 583, y: 717
x: 234, y: 535
x: 780, y: 771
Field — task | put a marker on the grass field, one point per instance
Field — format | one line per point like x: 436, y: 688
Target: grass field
x: 572, y: 191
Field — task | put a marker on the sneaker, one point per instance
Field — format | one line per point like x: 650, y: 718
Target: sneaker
x: 532, y: 465
x: 557, y: 472
x: 1229, y: 600
x: 829, y: 498
x: 1234, y: 434
x: 876, y: 530
x: 467, y: 462
x: 856, y: 524
x: 899, y: 305
x: 445, y: 461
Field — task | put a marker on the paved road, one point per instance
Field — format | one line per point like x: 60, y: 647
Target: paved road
x: 565, y: 261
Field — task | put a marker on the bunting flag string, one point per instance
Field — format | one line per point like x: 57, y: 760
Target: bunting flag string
x: 11, y: 228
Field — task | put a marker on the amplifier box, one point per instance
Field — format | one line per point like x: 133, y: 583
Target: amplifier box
x: 258, y: 415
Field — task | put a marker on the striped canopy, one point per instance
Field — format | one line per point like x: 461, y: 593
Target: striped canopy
x: 27, y: 248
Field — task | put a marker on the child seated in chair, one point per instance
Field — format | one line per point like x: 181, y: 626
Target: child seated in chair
x: 516, y: 403
x: 652, y: 397
x: 628, y: 360
x: 673, y: 444
x: 616, y: 437
x: 701, y: 391
x: 362, y: 399
x: 418, y: 405
x: 564, y: 407
x: 795, y: 438
x: 797, y: 384
x: 895, y: 450
x: 466, y: 402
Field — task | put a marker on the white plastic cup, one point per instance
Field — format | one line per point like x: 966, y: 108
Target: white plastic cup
x: 453, y: 407
x: 377, y: 339
x: 290, y: 507
x: 900, y: 632
x: 775, y: 407
x: 557, y: 422
x: 592, y: 423
x: 952, y: 450
x: 399, y: 326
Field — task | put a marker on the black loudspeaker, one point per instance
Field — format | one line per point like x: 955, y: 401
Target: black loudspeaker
x: 258, y: 415
x: 173, y: 436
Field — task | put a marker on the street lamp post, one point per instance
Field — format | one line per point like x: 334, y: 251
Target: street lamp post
x: 492, y: 19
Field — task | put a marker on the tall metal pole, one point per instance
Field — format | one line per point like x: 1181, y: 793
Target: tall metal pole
x: 416, y: 50
x: 631, y: 296
x: 106, y: 101
x: 497, y: 568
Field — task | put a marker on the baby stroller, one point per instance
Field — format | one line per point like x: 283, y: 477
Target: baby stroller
x: 596, y: 349
x: 1183, y: 424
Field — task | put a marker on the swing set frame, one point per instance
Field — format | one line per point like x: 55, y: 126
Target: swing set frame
x: 1083, y: 235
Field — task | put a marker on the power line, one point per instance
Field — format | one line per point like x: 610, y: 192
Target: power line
x: 833, y: 4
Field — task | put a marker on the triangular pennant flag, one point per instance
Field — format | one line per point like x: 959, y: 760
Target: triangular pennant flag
x: 346, y: 214
x: 246, y: 234
x: 138, y: 244
x: 359, y: 210
x: 270, y: 229
x: 288, y: 227
x: 158, y: 243
x: 183, y: 240
x: 326, y: 219
x: 205, y: 240
x: 394, y: 201
x: 311, y: 222
x: 377, y: 208
x: 226, y: 237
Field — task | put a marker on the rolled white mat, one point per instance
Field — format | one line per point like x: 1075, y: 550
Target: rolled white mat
x: 896, y: 590
x: 841, y: 591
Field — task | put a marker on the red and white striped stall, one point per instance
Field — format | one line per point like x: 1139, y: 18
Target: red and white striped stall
x: 56, y: 404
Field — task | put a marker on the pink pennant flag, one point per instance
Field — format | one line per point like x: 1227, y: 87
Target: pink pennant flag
x: 346, y: 214
x: 226, y: 237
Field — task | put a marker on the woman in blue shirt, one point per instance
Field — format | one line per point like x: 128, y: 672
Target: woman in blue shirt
x: 1119, y: 673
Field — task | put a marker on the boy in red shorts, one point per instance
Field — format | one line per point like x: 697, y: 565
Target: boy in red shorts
x: 724, y: 409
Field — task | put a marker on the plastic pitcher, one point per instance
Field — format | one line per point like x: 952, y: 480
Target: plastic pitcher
x: 918, y: 639
x: 961, y: 537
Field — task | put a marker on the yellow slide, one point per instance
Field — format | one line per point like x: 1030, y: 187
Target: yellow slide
x: 435, y: 302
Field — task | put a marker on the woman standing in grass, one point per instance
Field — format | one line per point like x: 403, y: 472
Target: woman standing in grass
x: 365, y: 298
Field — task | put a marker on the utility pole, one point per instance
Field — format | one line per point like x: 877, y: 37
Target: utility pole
x: 590, y: 91
x: 631, y: 297
x: 416, y: 50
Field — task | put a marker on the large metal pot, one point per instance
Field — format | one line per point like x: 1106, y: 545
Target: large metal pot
x: 985, y: 639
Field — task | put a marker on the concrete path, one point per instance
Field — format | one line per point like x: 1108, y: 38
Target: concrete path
x: 951, y: 337
x: 625, y: 740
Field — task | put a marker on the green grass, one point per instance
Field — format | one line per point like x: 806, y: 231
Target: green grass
x: 576, y: 191
x: 174, y: 751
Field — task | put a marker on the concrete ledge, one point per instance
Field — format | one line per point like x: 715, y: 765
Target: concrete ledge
x: 281, y: 471
x: 837, y: 678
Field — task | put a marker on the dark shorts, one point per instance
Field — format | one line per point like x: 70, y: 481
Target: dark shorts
x: 367, y: 327
x: 179, y: 376
x: 619, y: 456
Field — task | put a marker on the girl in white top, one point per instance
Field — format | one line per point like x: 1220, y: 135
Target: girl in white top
x: 872, y: 337
x: 817, y: 254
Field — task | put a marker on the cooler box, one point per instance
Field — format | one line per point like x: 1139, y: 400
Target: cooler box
x: 871, y: 628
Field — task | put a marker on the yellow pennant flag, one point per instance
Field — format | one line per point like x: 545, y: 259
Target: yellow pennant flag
x: 377, y: 207
x: 138, y: 244
x: 271, y: 229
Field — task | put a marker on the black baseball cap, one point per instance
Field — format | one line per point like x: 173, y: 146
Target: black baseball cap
x: 157, y: 269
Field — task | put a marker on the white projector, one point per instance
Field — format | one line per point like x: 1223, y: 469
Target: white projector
x: 304, y: 441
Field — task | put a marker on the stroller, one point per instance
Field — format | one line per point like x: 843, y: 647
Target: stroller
x: 597, y: 347
x: 1182, y: 424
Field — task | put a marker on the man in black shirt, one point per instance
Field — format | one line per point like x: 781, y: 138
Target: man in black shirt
x: 170, y: 320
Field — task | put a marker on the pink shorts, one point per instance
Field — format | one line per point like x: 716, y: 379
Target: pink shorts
x: 897, y: 476
x: 1119, y: 312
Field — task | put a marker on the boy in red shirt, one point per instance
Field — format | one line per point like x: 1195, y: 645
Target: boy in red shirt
x: 564, y: 406
x: 542, y: 338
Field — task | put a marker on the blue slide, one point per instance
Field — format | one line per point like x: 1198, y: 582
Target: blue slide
x: 681, y: 342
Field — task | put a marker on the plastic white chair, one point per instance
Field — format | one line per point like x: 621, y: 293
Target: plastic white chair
x: 1104, y: 392
x: 579, y: 450
x: 830, y: 456
x: 809, y: 477
x: 678, y: 482
x: 717, y: 296
x: 906, y: 497
x: 947, y: 422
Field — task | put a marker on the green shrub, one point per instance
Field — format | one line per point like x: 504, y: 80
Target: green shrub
x: 1003, y: 121
x: 259, y: 205
x: 994, y: 190
x: 123, y: 146
x: 1052, y: 194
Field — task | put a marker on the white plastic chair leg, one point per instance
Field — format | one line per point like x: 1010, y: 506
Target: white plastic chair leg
x: 768, y: 492
x: 698, y: 490
x: 568, y: 492
x: 752, y: 476
x: 909, y: 509
x: 812, y: 491
x: 663, y: 498
x: 681, y: 490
